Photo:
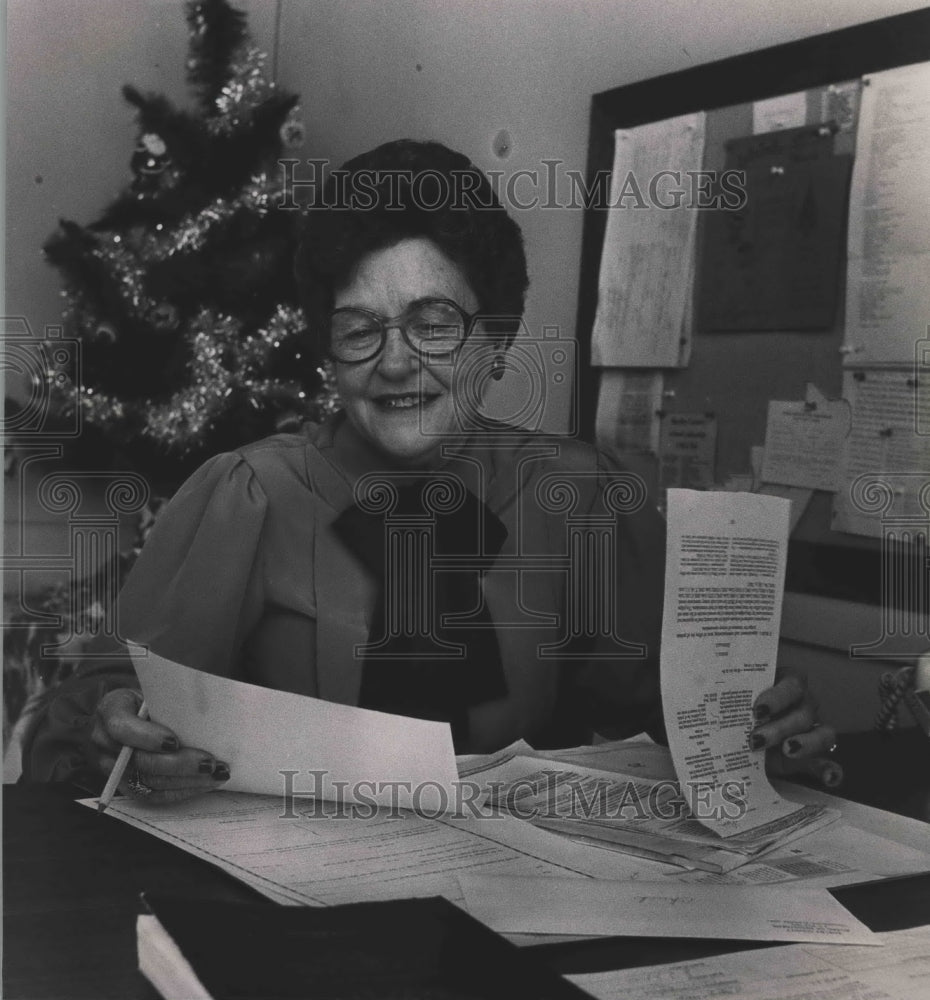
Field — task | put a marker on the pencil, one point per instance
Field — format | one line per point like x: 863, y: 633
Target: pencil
x: 119, y: 769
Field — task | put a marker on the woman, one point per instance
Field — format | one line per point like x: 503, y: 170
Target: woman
x: 271, y: 564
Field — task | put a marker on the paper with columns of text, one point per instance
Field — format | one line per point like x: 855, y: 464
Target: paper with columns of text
x: 325, y: 853
x: 276, y: 742
x: 898, y: 971
x: 724, y: 580
x: 736, y: 912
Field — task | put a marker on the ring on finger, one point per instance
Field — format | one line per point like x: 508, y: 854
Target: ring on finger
x: 832, y: 747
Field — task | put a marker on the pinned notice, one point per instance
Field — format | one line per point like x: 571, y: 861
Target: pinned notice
x: 804, y: 442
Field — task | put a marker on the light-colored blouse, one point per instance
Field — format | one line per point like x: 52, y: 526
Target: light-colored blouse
x: 243, y: 576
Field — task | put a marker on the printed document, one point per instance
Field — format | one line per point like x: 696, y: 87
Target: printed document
x: 646, y: 262
x: 887, y: 292
x: 889, y: 447
x: 900, y: 970
x: 724, y: 579
x: 564, y: 906
x: 804, y: 442
x: 631, y: 814
x: 266, y: 735
x: 321, y: 854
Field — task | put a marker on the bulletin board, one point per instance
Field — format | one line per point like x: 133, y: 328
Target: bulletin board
x: 733, y: 373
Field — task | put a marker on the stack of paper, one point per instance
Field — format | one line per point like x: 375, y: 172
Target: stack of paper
x: 632, y: 814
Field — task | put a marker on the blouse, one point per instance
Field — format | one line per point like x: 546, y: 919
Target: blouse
x: 243, y: 576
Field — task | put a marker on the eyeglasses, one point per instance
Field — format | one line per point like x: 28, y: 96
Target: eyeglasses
x: 428, y: 326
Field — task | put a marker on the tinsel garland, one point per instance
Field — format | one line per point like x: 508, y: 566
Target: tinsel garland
x: 128, y: 256
x: 225, y: 368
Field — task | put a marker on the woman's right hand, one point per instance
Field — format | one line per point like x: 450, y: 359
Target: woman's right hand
x: 160, y: 769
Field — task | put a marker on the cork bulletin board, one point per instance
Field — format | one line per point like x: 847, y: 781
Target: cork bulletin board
x: 760, y: 344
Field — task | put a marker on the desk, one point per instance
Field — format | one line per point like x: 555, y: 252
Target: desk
x: 72, y: 878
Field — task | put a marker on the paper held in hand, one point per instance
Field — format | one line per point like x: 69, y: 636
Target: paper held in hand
x: 278, y: 743
x: 724, y: 582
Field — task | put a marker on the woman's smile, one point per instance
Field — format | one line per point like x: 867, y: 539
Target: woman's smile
x: 402, y: 401
x: 395, y: 402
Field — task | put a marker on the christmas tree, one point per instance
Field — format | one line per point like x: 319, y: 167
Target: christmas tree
x: 182, y: 293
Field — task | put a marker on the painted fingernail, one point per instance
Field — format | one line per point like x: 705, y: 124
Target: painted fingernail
x: 206, y: 766
x: 761, y: 711
x: 832, y: 775
x: 792, y: 747
x: 756, y: 741
x: 170, y: 743
x: 221, y: 772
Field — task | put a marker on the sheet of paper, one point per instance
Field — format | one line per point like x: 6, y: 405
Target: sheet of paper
x: 724, y: 580
x: 889, y: 443
x: 840, y: 855
x: 887, y: 292
x: 263, y: 734
x: 776, y: 264
x: 784, y: 111
x: 320, y: 854
x: 642, y: 758
x: 804, y: 442
x: 687, y: 450
x: 562, y: 906
x: 628, y: 407
x: 899, y: 970
x: 624, y: 812
x: 648, y: 249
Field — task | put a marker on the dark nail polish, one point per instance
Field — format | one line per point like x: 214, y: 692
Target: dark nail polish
x: 761, y: 712
x: 221, y: 772
x: 170, y: 743
x: 756, y: 741
x: 206, y: 766
x: 792, y: 746
x: 832, y: 776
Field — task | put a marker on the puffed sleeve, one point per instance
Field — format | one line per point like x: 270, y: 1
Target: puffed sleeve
x: 194, y: 594
x: 196, y: 590
x: 621, y: 696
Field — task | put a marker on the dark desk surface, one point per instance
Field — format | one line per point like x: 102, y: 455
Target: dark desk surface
x: 72, y: 878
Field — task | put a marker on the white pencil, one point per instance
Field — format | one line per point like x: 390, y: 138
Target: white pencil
x: 119, y: 769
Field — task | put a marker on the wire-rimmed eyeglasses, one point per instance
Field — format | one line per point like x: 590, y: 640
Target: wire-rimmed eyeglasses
x: 428, y: 326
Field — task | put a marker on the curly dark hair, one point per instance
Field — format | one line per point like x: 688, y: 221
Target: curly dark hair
x: 407, y: 189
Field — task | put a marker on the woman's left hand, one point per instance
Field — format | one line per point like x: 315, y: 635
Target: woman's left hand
x: 795, y: 743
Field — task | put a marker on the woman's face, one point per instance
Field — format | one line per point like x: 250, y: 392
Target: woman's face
x: 398, y: 401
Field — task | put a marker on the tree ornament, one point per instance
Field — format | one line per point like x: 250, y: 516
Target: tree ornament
x: 105, y: 332
x: 165, y: 316
x: 293, y: 132
x: 150, y: 157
